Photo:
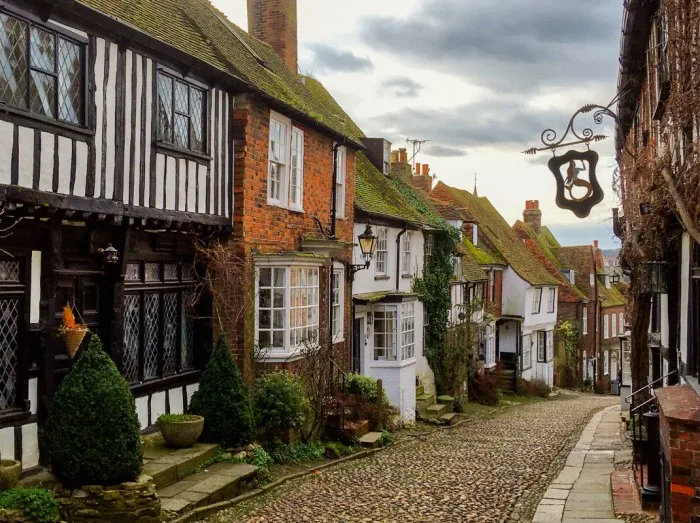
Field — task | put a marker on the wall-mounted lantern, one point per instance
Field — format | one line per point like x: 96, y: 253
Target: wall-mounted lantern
x: 110, y: 255
x: 653, y: 277
x: 368, y: 243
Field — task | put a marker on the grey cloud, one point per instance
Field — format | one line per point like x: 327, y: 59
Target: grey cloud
x: 440, y: 151
x: 328, y: 59
x: 512, y: 45
x: 402, y: 87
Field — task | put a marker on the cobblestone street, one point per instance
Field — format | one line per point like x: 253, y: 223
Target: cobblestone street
x: 493, y: 469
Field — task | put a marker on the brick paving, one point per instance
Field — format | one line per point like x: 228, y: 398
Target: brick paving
x: 492, y: 469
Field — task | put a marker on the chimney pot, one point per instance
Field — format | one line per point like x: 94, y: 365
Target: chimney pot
x: 394, y: 157
x: 275, y: 22
x: 595, y: 243
x: 417, y: 169
x: 532, y: 214
x: 426, y: 169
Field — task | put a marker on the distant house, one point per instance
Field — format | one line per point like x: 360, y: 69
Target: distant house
x: 522, y: 293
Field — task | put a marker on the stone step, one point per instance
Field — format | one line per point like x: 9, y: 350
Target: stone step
x: 420, y: 390
x: 435, y: 411
x: 425, y: 400
x: 448, y: 418
x: 167, y: 466
x: 371, y: 440
x: 447, y: 401
x: 220, y: 482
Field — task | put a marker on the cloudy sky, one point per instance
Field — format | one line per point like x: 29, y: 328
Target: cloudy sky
x: 480, y: 79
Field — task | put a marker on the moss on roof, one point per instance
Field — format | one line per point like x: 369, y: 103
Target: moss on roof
x: 579, y: 258
x: 610, y: 296
x: 495, y: 232
x: 471, y: 269
x: 198, y: 29
x: 378, y: 194
x: 483, y: 255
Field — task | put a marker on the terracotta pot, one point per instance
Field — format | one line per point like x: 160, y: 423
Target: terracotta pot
x: 181, y: 434
x: 9, y: 473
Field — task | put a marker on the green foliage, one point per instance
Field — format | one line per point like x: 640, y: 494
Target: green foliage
x: 280, y: 403
x: 219, y: 457
x: 261, y: 459
x: 484, y: 389
x: 364, y: 387
x: 534, y: 387
x: 570, y: 331
x: 223, y: 400
x: 92, y: 430
x: 386, y: 439
x: 176, y: 418
x: 35, y: 502
x: 298, y: 453
x: 433, y: 289
x: 337, y: 450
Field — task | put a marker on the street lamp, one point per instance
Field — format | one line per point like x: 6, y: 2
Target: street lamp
x: 368, y: 242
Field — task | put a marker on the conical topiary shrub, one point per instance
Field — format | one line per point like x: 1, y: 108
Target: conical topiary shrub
x: 223, y: 400
x: 92, y: 430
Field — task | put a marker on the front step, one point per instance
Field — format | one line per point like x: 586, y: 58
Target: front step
x: 448, y: 418
x: 220, y: 482
x: 447, y: 401
x: 435, y: 411
x: 371, y: 440
x: 424, y: 401
x: 167, y: 466
x: 420, y: 390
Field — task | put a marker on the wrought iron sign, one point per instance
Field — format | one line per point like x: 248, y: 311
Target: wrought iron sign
x: 578, y: 189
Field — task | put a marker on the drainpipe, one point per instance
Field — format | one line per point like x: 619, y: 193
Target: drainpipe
x: 398, y: 256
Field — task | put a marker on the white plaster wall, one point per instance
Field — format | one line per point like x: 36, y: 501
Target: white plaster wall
x: 191, y: 389
x: 142, y: 411
x: 175, y: 400
x: 7, y: 443
x: 514, y: 291
x: 30, y: 445
x: 33, y: 395
x: 365, y: 280
x: 507, y: 337
x: 157, y: 405
x: 544, y: 318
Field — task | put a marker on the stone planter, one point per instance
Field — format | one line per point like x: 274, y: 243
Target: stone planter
x: 9, y: 473
x: 182, y: 434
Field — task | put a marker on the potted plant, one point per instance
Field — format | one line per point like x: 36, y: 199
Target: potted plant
x: 73, y: 332
x: 9, y: 473
x: 180, y: 430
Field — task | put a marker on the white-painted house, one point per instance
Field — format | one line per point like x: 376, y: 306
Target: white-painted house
x: 522, y: 295
x: 389, y: 319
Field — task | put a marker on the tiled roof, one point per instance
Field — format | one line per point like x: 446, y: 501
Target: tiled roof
x: 580, y: 259
x: 471, y: 270
x: 610, y: 296
x: 381, y: 195
x: 198, y: 29
x: 542, y: 246
x: 497, y: 235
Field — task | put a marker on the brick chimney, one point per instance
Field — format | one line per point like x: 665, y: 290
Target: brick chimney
x: 422, y: 179
x: 595, y: 244
x: 275, y: 22
x: 532, y: 214
x: 401, y: 169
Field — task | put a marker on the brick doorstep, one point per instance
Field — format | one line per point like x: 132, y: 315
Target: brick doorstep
x: 626, y: 493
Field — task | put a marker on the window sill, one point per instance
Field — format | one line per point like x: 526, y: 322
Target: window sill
x: 407, y: 276
x: 382, y: 277
x: 189, y: 376
x: 163, y: 147
x: 54, y: 125
x: 14, y: 415
x: 280, y: 357
x: 392, y: 364
x: 281, y: 205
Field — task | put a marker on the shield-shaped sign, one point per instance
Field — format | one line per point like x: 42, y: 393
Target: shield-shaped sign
x: 576, y: 193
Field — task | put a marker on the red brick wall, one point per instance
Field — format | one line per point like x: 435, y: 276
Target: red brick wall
x: 679, y: 409
x: 260, y: 228
x: 495, y: 303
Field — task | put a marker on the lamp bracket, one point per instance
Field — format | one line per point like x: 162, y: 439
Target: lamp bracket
x: 353, y: 268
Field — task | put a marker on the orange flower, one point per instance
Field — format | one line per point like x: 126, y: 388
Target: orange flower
x: 68, y: 318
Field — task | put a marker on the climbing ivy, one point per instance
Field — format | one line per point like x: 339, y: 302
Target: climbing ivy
x: 433, y: 288
x: 570, y: 331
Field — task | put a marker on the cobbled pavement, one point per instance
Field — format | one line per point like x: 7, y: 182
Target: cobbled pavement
x: 492, y: 469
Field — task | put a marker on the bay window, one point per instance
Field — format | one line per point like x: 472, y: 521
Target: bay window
x: 408, y: 327
x: 287, y: 313
x: 41, y: 70
x: 158, y: 320
x: 395, y: 332
x: 285, y: 179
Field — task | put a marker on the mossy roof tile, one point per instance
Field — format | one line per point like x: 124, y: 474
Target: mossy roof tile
x: 610, y: 296
x: 471, y: 269
x: 197, y: 28
x: 495, y: 233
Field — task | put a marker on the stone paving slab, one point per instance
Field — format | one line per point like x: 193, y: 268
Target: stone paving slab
x: 588, y: 468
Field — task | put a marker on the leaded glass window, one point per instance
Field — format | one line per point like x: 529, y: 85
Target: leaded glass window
x: 41, y: 70
x: 11, y: 304
x: 181, y: 113
x: 159, y: 313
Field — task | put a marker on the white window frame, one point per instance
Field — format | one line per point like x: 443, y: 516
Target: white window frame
x: 550, y: 345
x: 527, y: 351
x: 285, y: 197
x: 381, y: 256
x: 393, y: 348
x: 613, y: 325
x: 584, y: 320
x: 338, y: 302
x: 408, y: 331
x: 584, y: 364
x: 537, y: 301
x: 605, y: 327
x: 490, y: 347
x: 288, y: 348
x: 551, y: 300
x: 406, y: 253
x: 541, y: 346
x: 340, y: 185
x: 622, y: 323
x: 606, y: 362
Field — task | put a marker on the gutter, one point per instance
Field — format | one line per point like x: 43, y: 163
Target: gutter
x: 398, y: 256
